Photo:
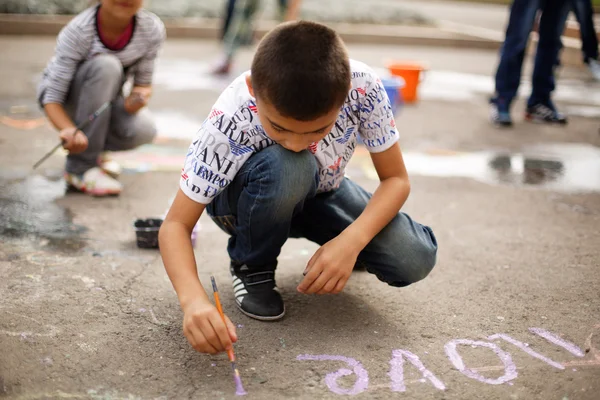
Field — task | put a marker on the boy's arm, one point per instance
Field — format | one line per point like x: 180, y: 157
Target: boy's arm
x: 202, y: 323
x: 331, y: 266
x: 177, y: 251
x: 388, y: 199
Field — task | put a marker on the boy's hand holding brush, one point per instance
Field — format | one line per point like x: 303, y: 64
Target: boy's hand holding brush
x: 209, y: 330
x: 204, y: 328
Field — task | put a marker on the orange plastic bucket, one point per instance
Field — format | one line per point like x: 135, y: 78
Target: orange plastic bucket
x: 411, y: 73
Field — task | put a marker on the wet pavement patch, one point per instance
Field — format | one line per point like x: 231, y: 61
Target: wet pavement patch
x: 564, y: 167
x: 28, y: 207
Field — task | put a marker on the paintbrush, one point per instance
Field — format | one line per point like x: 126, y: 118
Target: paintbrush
x: 239, y: 389
x: 79, y: 128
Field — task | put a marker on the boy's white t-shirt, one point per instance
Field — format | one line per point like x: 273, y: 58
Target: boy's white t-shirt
x: 232, y: 133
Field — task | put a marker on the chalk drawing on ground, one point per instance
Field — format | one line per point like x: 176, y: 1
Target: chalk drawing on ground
x: 50, y: 331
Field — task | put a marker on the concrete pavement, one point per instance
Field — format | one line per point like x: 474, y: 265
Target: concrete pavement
x: 510, y: 312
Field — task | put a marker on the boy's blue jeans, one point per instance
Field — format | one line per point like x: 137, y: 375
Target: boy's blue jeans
x: 273, y: 198
x: 522, y: 16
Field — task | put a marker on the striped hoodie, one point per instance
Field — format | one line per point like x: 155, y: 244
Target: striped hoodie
x: 79, y: 41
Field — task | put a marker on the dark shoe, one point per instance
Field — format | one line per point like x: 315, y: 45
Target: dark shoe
x: 545, y: 113
x: 223, y: 67
x: 256, y: 294
x: 500, y: 112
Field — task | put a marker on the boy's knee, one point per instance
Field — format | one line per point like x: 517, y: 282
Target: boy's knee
x: 422, y: 260
x: 301, y: 165
x: 409, y: 261
x: 106, y: 66
x: 292, y: 175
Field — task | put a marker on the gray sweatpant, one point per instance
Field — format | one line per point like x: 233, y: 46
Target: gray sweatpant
x: 97, y: 81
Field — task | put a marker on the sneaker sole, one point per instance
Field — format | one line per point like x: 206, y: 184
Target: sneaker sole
x: 259, y: 317
x: 534, y: 120
x: 502, y: 124
x: 498, y: 123
x: 104, y: 193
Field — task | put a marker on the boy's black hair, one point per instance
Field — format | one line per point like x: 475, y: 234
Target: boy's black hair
x: 302, y: 69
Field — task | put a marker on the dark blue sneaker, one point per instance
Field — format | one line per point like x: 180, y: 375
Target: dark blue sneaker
x: 500, y: 112
x: 546, y: 113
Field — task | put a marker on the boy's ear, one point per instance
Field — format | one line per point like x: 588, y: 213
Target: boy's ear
x: 249, y: 84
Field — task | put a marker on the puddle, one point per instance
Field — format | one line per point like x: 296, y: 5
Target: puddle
x: 28, y: 207
x: 561, y: 167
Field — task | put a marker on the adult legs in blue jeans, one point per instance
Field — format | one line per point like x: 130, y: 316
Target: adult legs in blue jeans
x: 584, y: 13
x: 508, y: 75
x: 549, y: 46
x: 512, y: 53
x: 273, y: 197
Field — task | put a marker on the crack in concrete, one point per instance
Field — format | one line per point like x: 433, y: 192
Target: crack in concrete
x: 126, y: 295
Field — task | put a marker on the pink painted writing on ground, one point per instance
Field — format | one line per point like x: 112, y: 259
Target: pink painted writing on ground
x: 557, y: 340
x: 396, y: 372
x: 510, y: 369
x: 526, y: 349
x: 362, y: 376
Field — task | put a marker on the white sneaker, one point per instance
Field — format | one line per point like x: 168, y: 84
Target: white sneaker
x: 110, y: 166
x: 594, y: 67
x: 95, y: 182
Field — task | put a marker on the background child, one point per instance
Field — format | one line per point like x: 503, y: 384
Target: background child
x: 238, y: 26
x: 269, y: 163
x: 96, y: 53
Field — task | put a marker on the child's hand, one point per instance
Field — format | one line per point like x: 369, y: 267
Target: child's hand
x: 137, y: 99
x: 329, y: 268
x: 73, y: 140
x: 205, y: 330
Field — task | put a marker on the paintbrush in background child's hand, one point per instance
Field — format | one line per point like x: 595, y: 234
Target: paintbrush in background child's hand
x: 80, y: 127
x: 239, y: 389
